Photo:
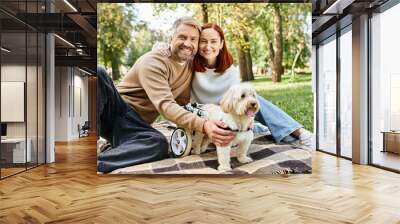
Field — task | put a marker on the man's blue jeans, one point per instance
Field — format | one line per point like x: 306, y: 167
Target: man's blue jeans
x: 279, y: 123
x: 133, y: 141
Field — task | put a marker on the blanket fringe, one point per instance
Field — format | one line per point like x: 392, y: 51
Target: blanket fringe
x: 282, y: 171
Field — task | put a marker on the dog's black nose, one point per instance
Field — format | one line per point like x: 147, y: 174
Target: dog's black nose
x: 253, y: 104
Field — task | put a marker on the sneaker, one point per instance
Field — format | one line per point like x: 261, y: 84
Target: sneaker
x: 305, y: 139
x: 102, y: 145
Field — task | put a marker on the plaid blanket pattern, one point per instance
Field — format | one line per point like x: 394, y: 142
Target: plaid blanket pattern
x: 269, y: 158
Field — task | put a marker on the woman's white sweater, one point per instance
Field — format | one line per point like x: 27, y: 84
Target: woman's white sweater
x: 209, y: 86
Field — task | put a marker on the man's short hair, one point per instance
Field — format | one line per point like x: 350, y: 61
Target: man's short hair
x: 186, y: 20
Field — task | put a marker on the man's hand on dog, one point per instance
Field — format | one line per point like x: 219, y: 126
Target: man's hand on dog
x: 215, y: 131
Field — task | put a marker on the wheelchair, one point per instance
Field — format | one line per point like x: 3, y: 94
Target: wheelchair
x: 181, y: 138
x: 180, y: 143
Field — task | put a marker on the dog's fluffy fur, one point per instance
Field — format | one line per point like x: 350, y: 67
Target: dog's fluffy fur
x: 237, y: 109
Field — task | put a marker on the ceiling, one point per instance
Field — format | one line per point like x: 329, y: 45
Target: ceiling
x: 74, y: 22
x: 330, y: 15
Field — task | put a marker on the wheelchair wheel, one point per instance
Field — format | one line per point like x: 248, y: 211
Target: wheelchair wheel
x: 181, y: 143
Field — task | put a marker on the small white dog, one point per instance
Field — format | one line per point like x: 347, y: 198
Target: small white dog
x: 238, y: 108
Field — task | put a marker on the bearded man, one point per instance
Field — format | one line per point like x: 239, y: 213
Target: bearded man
x: 156, y: 84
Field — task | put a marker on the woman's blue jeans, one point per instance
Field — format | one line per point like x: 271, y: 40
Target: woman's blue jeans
x: 279, y: 123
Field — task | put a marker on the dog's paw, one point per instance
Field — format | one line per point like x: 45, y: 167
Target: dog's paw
x: 245, y: 159
x: 224, y: 168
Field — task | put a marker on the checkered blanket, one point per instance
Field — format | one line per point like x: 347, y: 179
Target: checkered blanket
x: 269, y: 158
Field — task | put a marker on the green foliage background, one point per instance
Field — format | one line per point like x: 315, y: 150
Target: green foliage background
x: 123, y: 38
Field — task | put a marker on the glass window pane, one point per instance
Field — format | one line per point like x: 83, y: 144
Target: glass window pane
x: 327, y: 96
x: 346, y: 93
x: 31, y: 97
x: 385, y: 88
x: 14, y: 153
x: 23, y: 87
x: 41, y: 98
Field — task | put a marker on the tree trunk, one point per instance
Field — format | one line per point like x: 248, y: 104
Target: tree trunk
x: 249, y: 62
x: 249, y: 67
x: 115, y: 68
x: 105, y: 59
x: 104, y: 56
x: 204, y: 12
x: 242, y: 63
x: 295, y: 60
x: 276, y: 49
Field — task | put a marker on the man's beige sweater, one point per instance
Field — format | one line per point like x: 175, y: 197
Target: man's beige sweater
x: 155, y: 84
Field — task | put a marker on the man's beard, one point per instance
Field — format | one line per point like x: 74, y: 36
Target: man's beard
x: 183, y: 53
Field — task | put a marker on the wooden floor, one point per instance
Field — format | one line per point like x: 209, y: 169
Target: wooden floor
x: 10, y: 171
x: 70, y: 191
x: 5, y: 172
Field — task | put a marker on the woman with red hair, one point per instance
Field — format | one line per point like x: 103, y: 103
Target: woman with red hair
x: 213, y: 66
x: 214, y: 73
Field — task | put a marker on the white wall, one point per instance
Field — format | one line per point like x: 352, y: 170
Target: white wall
x: 61, y: 103
x: 13, y: 73
x: 80, y: 110
x: 33, y: 126
x: 70, y: 83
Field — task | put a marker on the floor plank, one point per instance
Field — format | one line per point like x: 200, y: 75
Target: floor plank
x: 70, y: 191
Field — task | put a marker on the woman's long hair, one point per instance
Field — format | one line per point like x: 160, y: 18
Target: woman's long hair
x: 224, y: 58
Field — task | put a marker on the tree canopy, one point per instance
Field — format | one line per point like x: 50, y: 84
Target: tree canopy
x: 264, y: 38
x: 114, y: 26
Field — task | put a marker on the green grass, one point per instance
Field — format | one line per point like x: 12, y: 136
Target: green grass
x: 292, y: 96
